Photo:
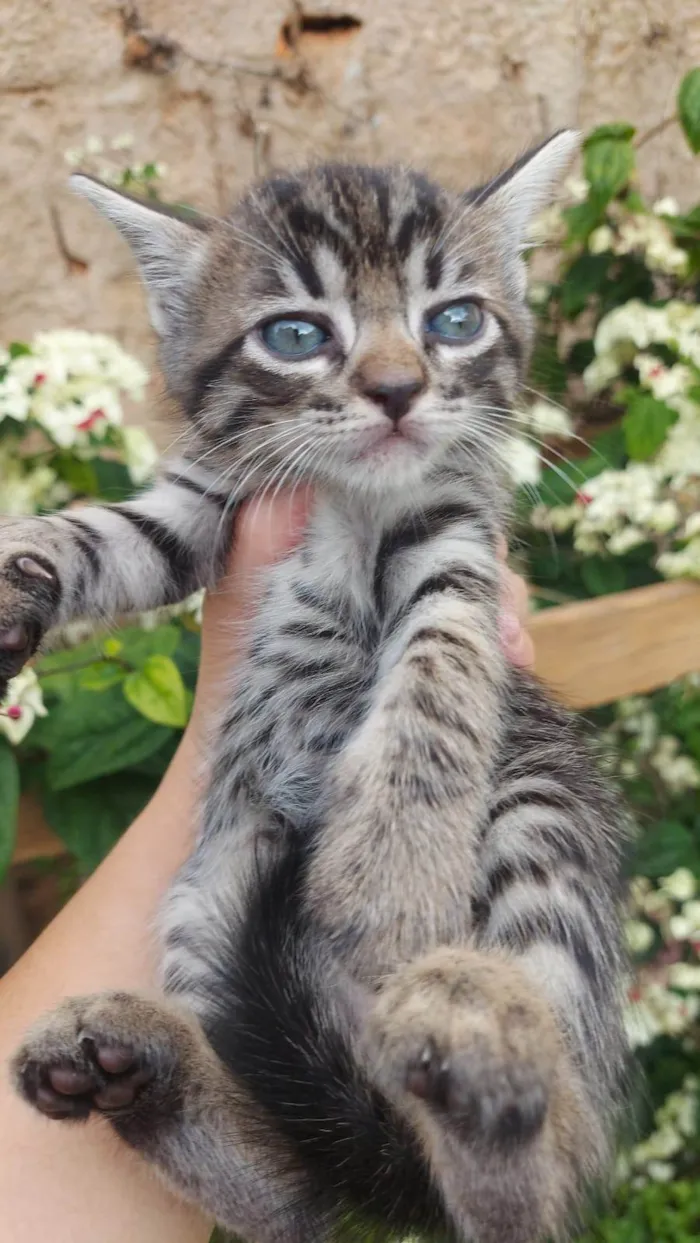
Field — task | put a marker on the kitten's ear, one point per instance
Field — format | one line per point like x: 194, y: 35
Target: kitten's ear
x: 168, y: 247
x: 521, y: 192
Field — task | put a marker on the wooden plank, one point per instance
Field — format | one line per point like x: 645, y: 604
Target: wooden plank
x: 596, y: 651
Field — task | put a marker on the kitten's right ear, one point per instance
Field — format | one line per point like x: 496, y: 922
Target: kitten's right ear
x: 169, y: 248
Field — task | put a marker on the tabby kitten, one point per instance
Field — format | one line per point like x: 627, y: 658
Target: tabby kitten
x: 391, y: 964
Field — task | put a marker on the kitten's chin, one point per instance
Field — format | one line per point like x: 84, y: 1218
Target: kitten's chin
x: 394, y: 463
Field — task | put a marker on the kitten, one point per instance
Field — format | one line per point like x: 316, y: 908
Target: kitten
x: 392, y: 963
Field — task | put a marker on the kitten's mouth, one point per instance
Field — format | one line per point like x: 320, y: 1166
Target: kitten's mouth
x: 386, y: 443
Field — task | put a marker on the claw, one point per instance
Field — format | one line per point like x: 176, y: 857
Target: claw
x: 15, y: 639
x: 34, y: 569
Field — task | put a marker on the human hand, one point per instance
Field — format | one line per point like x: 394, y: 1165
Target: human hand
x: 265, y: 532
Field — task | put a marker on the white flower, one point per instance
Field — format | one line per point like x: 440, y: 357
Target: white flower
x: 547, y: 419
x: 680, y: 885
x: 14, y: 398
x: 679, y: 772
x: 661, y: 1171
x: 664, y: 517
x: 601, y: 239
x: 666, y: 207
x: 522, y: 460
x: 622, y: 541
x: 94, y: 145
x: 140, y: 453
x: 601, y: 372
x: 682, y: 564
x: 21, y: 705
x: 664, y: 382
x: 640, y: 936
x: 577, y: 188
x: 684, y: 975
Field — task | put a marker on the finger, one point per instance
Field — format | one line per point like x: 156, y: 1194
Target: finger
x: 514, y: 594
x: 267, y: 529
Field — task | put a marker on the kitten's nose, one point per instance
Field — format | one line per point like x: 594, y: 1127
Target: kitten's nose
x: 395, y: 394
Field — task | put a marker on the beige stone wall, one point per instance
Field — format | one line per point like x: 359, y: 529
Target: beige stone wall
x: 456, y: 86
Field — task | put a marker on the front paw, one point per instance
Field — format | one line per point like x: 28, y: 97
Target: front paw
x: 113, y: 1054
x: 461, y: 1034
x: 30, y: 594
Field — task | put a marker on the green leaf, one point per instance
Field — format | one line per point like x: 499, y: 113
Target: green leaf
x: 80, y: 476
x: 584, y: 217
x: 158, y: 692
x: 645, y: 425
x: 583, y: 279
x: 17, y: 349
x: 9, y: 804
x: 137, y: 645
x: 620, y: 130
x: 89, y: 819
x: 603, y: 575
x: 608, y: 165
x: 101, y: 675
x: 547, y: 371
x: 92, y: 735
x: 114, y: 483
x: 689, y: 108
x: 580, y: 356
x: 665, y: 846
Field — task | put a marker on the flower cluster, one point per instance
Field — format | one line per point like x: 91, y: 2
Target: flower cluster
x: 69, y: 386
x: 643, y: 233
x: 658, y: 1157
x: 664, y: 929
x: 537, y: 423
x: 655, y: 501
x: 21, y: 705
x: 639, y: 743
x: 108, y: 161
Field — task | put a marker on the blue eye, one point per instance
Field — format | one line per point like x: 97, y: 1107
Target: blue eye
x: 293, y: 338
x: 460, y: 322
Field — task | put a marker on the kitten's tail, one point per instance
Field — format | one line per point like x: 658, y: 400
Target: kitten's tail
x: 289, y: 1038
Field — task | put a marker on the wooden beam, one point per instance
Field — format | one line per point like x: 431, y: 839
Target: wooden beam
x: 600, y: 650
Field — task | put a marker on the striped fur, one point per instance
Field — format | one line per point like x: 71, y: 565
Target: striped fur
x: 393, y: 958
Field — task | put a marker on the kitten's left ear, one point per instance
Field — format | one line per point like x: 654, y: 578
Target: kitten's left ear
x: 520, y: 193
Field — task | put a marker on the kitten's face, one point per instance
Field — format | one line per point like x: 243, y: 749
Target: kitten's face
x: 349, y: 324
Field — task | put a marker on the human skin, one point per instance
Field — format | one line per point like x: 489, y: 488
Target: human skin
x: 80, y: 1184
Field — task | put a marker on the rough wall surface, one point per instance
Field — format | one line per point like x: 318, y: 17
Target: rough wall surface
x: 456, y: 86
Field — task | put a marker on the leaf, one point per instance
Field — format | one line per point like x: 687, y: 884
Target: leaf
x: 603, y: 575
x: 584, y: 217
x: 620, y: 130
x: 665, y: 846
x: 90, y: 819
x: 583, y: 279
x: 547, y: 371
x: 9, y: 804
x: 645, y: 425
x: 689, y: 108
x: 17, y: 349
x: 580, y: 356
x: 92, y: 735
x: 158, y: 692
x: 608, y: 165
x: 114, y: 483
x: 137, y: 645
x: 101, y: 675
x: 80, y: 476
